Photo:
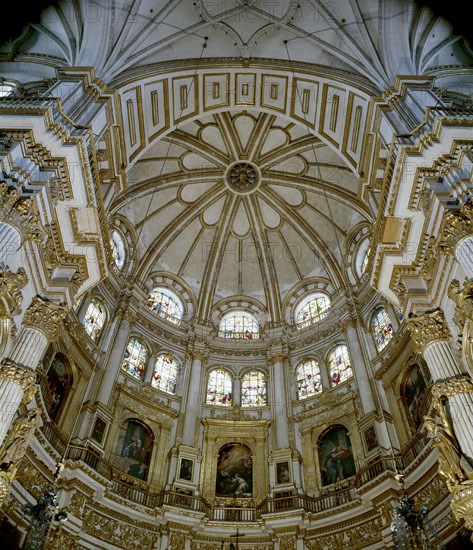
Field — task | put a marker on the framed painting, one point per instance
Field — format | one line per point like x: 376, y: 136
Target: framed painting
x: 283, y: 474
x: 186, y: 468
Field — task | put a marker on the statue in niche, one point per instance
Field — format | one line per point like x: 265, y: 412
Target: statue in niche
x: 19, y: 439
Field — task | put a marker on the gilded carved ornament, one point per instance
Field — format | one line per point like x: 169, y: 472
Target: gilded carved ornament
x: 11, y: 285
x: 20, y: 212
x: 427, y: 328
x: 45, y: 316
x: 14, y: 448
x: 463, y: 298
x: 20, y: 375
x: 455, y: 226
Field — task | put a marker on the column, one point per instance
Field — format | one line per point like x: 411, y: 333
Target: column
x: 236, y: 396
x: 280, y: 411
x: 324, y: 375
x: 113, y: 361
x: 41, y: 324
x: 464, y: 254
x: 431, y: 337
x: 193, y: 402
x: 148, y: 377
x: 359, y: 368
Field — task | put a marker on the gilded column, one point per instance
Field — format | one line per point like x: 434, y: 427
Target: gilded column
x: 279, y: 405
x: 431, y: 337
x: 41, y: 324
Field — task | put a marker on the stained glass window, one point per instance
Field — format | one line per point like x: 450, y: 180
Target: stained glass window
x: 253, y: 389
x: 94, y: 320
x: 118, y: 250
x: 219, y: 388
x: 6, y: 89
x: 312, y: 309
x: 382, y: 329
x: 165, y: 373
x: 339, y: 365
x: 239, y: 324
x: 309, y: 381
x: 166, y: 304
x: 134, y: 359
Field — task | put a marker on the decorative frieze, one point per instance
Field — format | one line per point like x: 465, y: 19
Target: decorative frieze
x: 20, y: 375
x: 11, y: 285
x: 456, y: 225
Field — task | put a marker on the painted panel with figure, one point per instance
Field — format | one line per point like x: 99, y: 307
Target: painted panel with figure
x: 335, y: 456
x: 413, y: 392
x: 234, y: 471
x: 134, y: 448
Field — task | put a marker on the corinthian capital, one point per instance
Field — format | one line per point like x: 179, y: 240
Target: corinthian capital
x: 455, y: 226
x: 45, y: 316
x: 11, y: 285
x: 428, y: 328
x: 20, y: 212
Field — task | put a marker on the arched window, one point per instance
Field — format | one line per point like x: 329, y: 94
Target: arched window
x: 166, y: 304
x: 364, y: 262
x: 165, y: 373
x: 118, y: 250
x: 312, y: 309
x: 309, y: 381
x: 134, y: 359
x: 239, y: 324
x: 219, y: 388
x: 382, y: 328
x: 335, y: 455
x: 339, y: 365
x: 94, y: 320
x: 134, y: 448
x: 253, y: 389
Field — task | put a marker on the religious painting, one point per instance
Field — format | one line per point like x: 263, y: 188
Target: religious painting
x: 134, y: 447
x: 98, y: 430
x: 413, y: 391
x: 185, y: 469
x: 282, y: 472
x: 59, y: 384
x: 335, y: 456
x: 234, y: 471
x: 371, y: 439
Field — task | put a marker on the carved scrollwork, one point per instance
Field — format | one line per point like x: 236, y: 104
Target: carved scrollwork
x: 45, y: 316
x: 451, y: 387
x: 428, y: 328
x: 463, y: 298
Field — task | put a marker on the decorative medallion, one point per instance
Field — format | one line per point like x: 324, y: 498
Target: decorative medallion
x: 242, y: 177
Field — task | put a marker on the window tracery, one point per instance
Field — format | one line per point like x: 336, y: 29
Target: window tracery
x: 239, y: 324
x: 94, y: 320
x: 166, y: 304
x: 219, y: 388
x: 382, y: 329
x: 309, y: 381
x: 134, y: 359
x: 165, y: 373
x: 339, y: 365
x: 311, y: 310
x: 253, y: 389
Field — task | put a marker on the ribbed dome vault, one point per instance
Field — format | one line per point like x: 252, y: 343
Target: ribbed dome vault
x: 241, y: 203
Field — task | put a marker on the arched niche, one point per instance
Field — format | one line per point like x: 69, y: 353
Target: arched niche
x: 59, y: 383
x: 335, y: 455
x: 234, y: 471
x: 134, y: 449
